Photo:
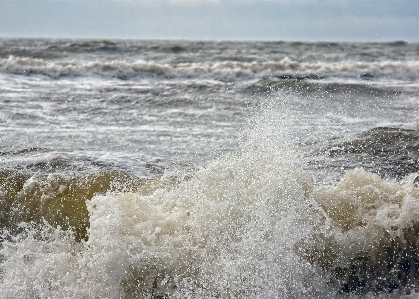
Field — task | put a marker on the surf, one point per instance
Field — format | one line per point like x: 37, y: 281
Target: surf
x: 250, y: 224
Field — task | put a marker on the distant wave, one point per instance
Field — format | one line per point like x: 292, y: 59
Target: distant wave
x: 222, y: 71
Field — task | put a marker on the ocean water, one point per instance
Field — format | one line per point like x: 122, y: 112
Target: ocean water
x: 180, y: 169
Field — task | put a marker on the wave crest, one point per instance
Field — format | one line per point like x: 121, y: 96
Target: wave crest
x: 222, y: 71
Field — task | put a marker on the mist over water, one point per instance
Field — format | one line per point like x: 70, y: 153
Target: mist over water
x: 162, y: 169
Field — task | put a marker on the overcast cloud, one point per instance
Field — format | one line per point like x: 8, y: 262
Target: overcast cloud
x: 327, y: 20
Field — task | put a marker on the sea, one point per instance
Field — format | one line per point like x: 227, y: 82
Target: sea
x: 208, y: 169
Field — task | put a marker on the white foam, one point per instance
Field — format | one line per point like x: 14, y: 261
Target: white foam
x: 222, y: 71
x: 249, y: 225
x: 227, y: 232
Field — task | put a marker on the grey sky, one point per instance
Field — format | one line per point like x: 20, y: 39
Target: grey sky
x: 327, y: 20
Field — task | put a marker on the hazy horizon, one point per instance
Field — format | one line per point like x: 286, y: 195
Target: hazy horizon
x: 206, y: 40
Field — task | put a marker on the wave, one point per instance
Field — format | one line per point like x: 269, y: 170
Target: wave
x: 60, y: 199
x: 390, y: 152
x: 222, y: 71
x: 371, y: 242
x: 228, y: 233
x: 251, y: 224
x: 379, y: 141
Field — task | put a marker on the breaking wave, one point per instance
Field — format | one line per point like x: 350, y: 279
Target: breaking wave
x: 251, y: 224
x: 222, y: 71
x: 60, y: 199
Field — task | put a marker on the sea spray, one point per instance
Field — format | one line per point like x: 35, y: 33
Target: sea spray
x: 227, y: 232
x: 251, y: 224
x: 230, y: 231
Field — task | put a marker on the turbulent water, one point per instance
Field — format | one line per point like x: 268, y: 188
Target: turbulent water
x: 179, y: 169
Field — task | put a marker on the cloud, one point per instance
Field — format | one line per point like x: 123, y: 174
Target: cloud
x: 159, y: 3
x: 362, y: 20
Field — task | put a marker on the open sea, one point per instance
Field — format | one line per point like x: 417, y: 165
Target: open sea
x: 186, y: 169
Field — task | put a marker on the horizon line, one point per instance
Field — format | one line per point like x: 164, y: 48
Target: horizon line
x: 395, y: 41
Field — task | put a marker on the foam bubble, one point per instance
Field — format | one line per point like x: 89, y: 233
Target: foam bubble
x: 371, y: 243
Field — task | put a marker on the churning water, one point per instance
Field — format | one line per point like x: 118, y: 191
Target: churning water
x: 175, y: 169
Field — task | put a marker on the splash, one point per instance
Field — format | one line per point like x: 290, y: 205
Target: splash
x: 60, y: 199
x: 251, y: 224
x: 372, y: 240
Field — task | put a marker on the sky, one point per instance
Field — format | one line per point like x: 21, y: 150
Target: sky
x: 298, y: 20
